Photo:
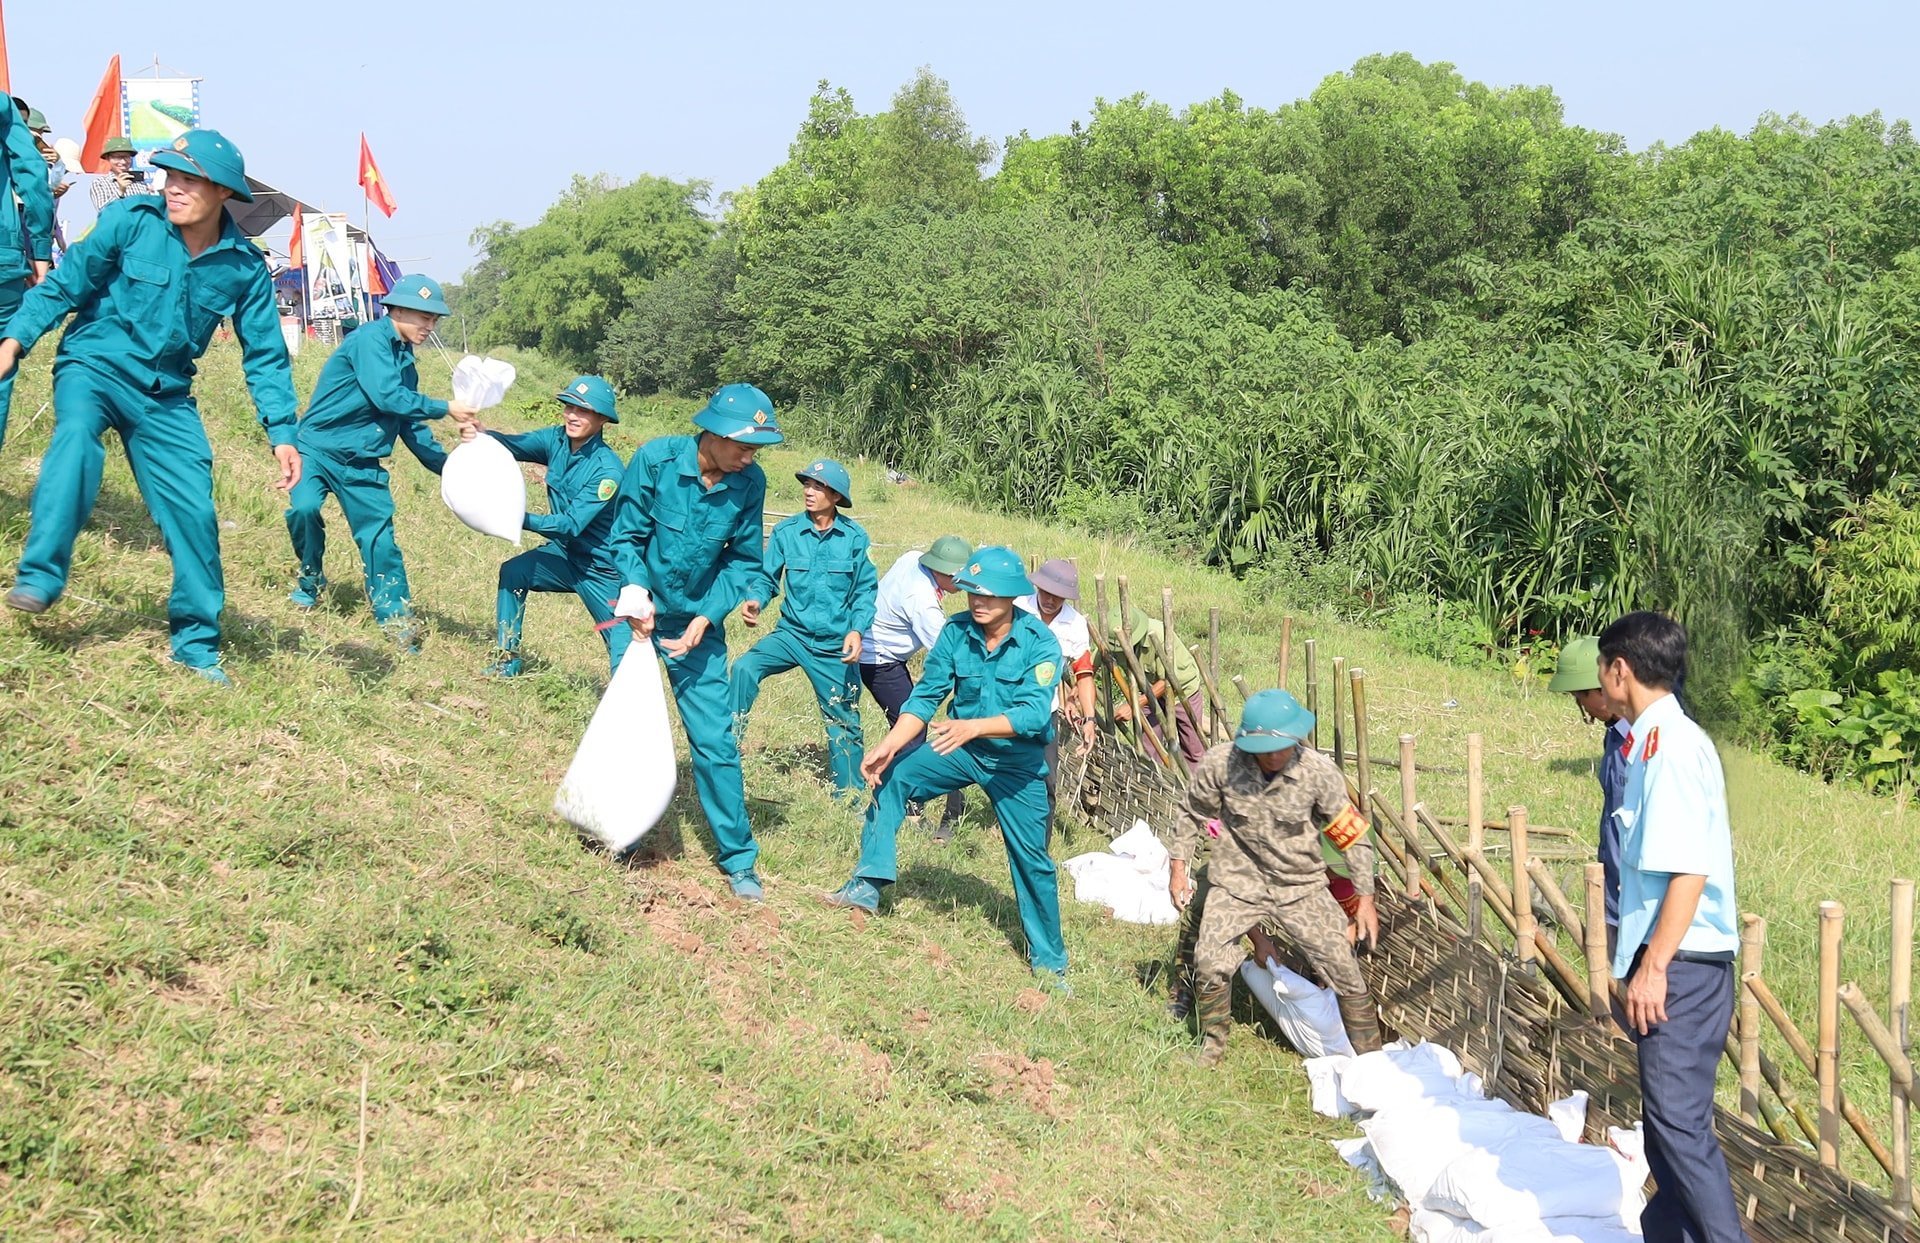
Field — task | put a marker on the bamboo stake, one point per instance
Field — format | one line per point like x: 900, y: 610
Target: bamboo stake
x: 1213, y: 643
x: 1599, y: 969
x: 1218, y: 729
x: 1753, y: 940
x: 1313, y: 691
x: 1141, y: 687
x: 1898, y: 1064
x: 1169, y: 704
x: 1497, y: 895
x: 1827, y: 1071
x: 1099, y: 620
x: 1500, y: 826
x: 1409, y: 825
x: 1240, y: 684
x: 1797, y: 1044
x: 1339, y: 722
x: 1286, y: 650
x: 1362, y: 766
x: 1549, y: 888
x: 1899, y: 1022
x: 1523, y: 934
x: 1443, y: 875
x: 1399, y: 852
x: 1476, y: 795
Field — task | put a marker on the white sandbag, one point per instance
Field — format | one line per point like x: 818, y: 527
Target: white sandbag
x: 1526, y: 1179
x: 1416, y: 1140
x: 1429, y: 1226
x: 1143, y: 846
x: 1569, y: 1116
x: 1398, y: 1074
x: 1308, y: 1015
x: 481, y: 382
x: 623, y: 772
x: 481, y: 484
x: 1129, y: 878
x: 1323, y: 1083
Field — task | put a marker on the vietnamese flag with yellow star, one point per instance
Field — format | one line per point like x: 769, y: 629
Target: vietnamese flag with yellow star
x: 372, y: 182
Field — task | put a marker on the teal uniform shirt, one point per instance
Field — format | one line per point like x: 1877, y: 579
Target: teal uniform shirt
x: 28, y: 233
x: 1016, y: 680
x: 581, y: 486
x: 368, y: 396
x: 830, y: 581
x: 694, y: 548
x: 144, y: 310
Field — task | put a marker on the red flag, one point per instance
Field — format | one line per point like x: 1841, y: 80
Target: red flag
x: 296, y: 249
x: 372, y: 182
x: 6, y: 81
x: 103, y: 119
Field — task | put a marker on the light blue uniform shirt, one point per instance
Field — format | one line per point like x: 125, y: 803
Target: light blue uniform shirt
x: 906, y: 614
x: 1673, y: 822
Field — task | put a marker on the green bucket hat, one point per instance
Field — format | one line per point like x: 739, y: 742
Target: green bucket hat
x: 1579, y: 667
x: 116, y: 146
x: 740, y: 412
x: 1272, y: 721
x: 37, y: 121
x: 207, y: 153
x: 590, y: 392
x: 829, y: 472
x: 995, y: 571
x: 947, y: 556
x: 417, y: 293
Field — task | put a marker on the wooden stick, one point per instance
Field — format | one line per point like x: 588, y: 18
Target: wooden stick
x: 1217, y: 729
x: 1101, y: 649
x: 1899, y: 1022
x: 1753, y: 940
x: 1498, y: 896
x: 1286, y: 650
x: 1339, y: 723
x: 1523, y: 933
x: 1240, y: 684
x: 1170, y: 725
x: 1434, y: 868
x: 1408, y: 805
x: 1599, y: 969
x: 1402, y: 849
x: 1797, y: 1044
x: 1362, y: 768
x: 1213, y: 643
x: 1898, y: 1063
x: 1313, y: 691
x: 1476, y: 796
x: 1500, y: 826
x: 1123, y: 640
x: 1827, y: 1072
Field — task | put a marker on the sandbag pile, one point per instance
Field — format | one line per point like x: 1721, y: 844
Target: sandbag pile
x: 1129, y: 878
x: 1473, y: 1169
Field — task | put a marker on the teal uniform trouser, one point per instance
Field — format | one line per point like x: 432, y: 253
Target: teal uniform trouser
x: 547, y: 568
x: 173, y: 466
x: 1019, y: 802
x: 367, y: 502
x: 699, y: 682
x: 836, y: 687
x: 10, y: 294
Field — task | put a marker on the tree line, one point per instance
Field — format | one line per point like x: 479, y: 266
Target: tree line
x: 1411, y: 347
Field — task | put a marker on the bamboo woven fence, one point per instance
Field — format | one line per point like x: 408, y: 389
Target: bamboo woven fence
x: 1461, y: 960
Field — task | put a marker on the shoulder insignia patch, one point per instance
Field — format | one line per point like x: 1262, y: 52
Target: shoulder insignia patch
x: 607, y: 488
x: 1653, y: 744
x: 1045, y: 672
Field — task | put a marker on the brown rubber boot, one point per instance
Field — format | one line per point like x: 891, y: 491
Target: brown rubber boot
x: 1361, y: 1019
x: 1215, y: 1009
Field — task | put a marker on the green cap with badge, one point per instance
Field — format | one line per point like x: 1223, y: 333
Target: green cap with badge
x: 740, y: 412
x: 1579, y: 667
x: 590, y: 392
x: 207, y: 153
x: 116, y: 146
x: 1272, y: 721
x: 829, y: 473
x: 994, y: 571
x: 417, y: 293
x: 37, y: 121
x: 947, y: 556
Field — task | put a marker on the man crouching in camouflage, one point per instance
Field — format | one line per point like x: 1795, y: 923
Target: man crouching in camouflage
x: 1266, y: 799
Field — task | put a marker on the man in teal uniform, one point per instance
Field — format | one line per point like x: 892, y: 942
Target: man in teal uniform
x: 368, y: 395
x: 1000, y: 664
x: 583, y: 474
x: 26, y: 236
x: 686, y: 544
x: 147, y: 287
x: 830, y: 586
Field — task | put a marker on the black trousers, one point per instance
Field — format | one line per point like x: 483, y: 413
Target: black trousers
x: 891, y: 686
x: 1693, y: 1202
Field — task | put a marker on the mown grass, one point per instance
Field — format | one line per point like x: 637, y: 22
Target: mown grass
x: 226, y: 912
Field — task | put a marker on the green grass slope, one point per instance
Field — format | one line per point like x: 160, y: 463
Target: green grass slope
x: 312, y: 956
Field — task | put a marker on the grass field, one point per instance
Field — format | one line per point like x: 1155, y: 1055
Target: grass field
x: 312, y: 956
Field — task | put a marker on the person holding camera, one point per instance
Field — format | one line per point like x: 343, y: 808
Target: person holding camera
x: 121, y: 178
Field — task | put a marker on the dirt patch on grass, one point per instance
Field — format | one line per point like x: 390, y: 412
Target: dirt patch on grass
x: 1031, y: 1000
x: 1031, y: 1081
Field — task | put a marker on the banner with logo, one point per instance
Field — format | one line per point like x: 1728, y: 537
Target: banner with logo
x: 333, y: 267
x: 158, y: 110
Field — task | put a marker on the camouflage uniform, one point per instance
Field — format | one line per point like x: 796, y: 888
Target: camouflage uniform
x: 1267, y: 868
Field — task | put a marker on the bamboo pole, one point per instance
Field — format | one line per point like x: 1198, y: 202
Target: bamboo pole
x: 1497, y: 896
x: 1523, y: 933
x: 1434, y: 867
x: 1399, y: 851
x: 1898, y: 1063
x: 1809, y: 1060
x: 1213, y: 643
x: 1599, y: 969
x: 1827, y: 1072
x: 1170, y: 725
x: 1339, y: 719
x: 1142, y: 689
x: 1286, y: 650
x: 1476, y: 795
x: 1409, y: 825
x: 1362, y: 765
x: 1753, y: 940
x: 1101, y: 647
x: 1313, y: 691
x: 1899, y: 1022
x: 1218, y: 727
x: 1500, y: 826
x: 1240, y: 684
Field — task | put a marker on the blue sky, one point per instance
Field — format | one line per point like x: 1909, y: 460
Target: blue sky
x: 483, y: 110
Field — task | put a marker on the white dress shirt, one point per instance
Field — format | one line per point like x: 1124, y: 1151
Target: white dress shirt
x: 907, y: 616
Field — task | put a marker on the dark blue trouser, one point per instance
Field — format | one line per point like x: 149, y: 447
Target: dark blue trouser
x: 1693, y: 1202
x: 891, y: 686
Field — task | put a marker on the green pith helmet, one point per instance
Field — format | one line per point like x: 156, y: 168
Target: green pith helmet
x: 830, y: 473
x: 116, y: 146
x: 37, y: 121
x: 590, y: 392
x: 417, y: 293
x: 207, y: 153
x: 742, y: 413
x: 994, y: 571
x: 1136, y: 623
x: 947, y: 556
x: 1579, y: 667
x: 1272, y: 721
